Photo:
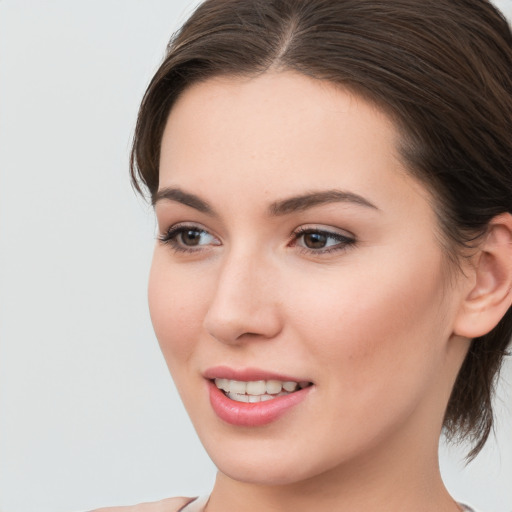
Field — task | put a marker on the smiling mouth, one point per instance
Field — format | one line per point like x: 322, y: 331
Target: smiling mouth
x: 255, y: 391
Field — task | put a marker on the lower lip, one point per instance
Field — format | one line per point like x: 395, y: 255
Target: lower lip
x: 257, y: 414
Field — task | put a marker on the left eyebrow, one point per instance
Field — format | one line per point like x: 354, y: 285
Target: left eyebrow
x: 186, y: 198
x: 309, y: 200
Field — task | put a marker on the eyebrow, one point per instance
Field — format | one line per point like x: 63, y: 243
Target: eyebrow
x: 278, y: 208
x: 179, y: 196
x: 309, y: 200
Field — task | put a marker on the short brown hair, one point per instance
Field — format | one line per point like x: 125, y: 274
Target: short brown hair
x: 440, y: 68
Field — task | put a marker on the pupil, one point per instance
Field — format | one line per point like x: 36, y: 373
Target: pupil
x: 191, y: 237
x: 315, y: 240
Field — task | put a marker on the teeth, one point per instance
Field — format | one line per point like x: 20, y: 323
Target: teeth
x: 290, y: 386
x: 274, y: 387
x: 237, y: 386
x: 257, y: 390
x: 257, y: 387
x: 237, y: 397
x: 222, y: 384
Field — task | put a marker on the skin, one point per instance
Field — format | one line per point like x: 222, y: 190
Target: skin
x: 372, y: 324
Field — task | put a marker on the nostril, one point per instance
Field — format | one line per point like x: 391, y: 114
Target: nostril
x: 242, y: 325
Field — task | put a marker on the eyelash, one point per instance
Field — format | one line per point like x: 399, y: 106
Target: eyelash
x: 343, y: 241
x: 170, y: 237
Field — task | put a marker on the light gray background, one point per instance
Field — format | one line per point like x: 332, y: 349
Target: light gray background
x: 88, y: 413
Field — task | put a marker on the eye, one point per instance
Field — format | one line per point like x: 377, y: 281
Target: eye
x: 188, y: 238
x: 316, y: 240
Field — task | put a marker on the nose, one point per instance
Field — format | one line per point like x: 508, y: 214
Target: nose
x: 245, y: 303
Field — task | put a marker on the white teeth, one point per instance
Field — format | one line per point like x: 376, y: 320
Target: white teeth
x: 238, y: 386
x: 222, y: 384
x: 274, y: 387
x: 237, y: 397
x: 257, y: 387
x: 289, y: 386
x: 258, y: 390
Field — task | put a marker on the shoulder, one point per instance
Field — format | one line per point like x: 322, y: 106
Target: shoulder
x: 167, y: 505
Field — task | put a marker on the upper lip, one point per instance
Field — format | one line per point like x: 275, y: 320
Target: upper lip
x: 248, y: 374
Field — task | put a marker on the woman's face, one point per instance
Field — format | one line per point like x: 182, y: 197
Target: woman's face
x: 295, y: 248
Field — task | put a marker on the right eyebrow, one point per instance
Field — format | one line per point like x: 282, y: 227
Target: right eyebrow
x: 310, y: 200
x: 179, y: 196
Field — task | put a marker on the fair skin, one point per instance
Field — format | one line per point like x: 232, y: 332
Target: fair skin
x: 346, y: 291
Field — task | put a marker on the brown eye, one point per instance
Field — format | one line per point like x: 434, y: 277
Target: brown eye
x: 188, y: 238
x: 315, y: 240
x: 191, y: 237
x: 319, y: 241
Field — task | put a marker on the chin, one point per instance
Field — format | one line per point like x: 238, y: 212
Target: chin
x: 262, y: 473
x: 268, y: 463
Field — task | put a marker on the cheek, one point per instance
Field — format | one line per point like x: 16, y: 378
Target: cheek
x: 177, y: 307
x: 376, y: 325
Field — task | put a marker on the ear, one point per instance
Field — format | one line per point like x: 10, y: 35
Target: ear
x: 490, y: 289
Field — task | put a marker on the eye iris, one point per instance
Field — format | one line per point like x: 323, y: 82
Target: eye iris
x: 315, y: 240
x: 191, y: 237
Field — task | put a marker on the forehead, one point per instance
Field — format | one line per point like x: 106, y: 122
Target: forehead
x: 280, y: 134
x: 286, y: 101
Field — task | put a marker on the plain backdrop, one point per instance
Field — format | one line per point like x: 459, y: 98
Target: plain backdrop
x: 88, y: 413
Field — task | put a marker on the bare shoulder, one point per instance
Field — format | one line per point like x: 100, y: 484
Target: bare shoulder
x: 167, y: 505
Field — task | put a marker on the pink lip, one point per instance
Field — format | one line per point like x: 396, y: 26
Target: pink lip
x: 246, y: 374
x: 244, y: 414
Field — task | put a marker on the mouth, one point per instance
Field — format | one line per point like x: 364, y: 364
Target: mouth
x: 252, y: 397
x: 256, y: 391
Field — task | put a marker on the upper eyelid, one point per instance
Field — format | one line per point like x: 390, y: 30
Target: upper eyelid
x: 169, y: 237
x: 299, y: 229
x: 344, y: 240
x: 177, y: 228
x: 186, y: 225
x: 336, y: 233
x: 323, y: 229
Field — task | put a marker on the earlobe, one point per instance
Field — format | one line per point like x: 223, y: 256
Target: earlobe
x: 490, y: 295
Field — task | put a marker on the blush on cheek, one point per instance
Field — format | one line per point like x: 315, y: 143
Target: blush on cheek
x: 378, y: 330
x: 401, y: 339
x: 178, y: 301
x: 173, y: 325
x: 170, y: 313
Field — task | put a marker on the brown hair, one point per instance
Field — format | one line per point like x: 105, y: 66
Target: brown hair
x: 440, y: 68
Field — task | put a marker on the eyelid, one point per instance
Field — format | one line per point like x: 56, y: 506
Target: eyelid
x: 320, y: 228
x: 170, y: 235
x: 344, y: 239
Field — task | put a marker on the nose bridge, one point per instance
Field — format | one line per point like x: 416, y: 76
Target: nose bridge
x: 243, y: 301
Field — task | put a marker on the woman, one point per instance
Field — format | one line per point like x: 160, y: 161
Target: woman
x: 331, y: 285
